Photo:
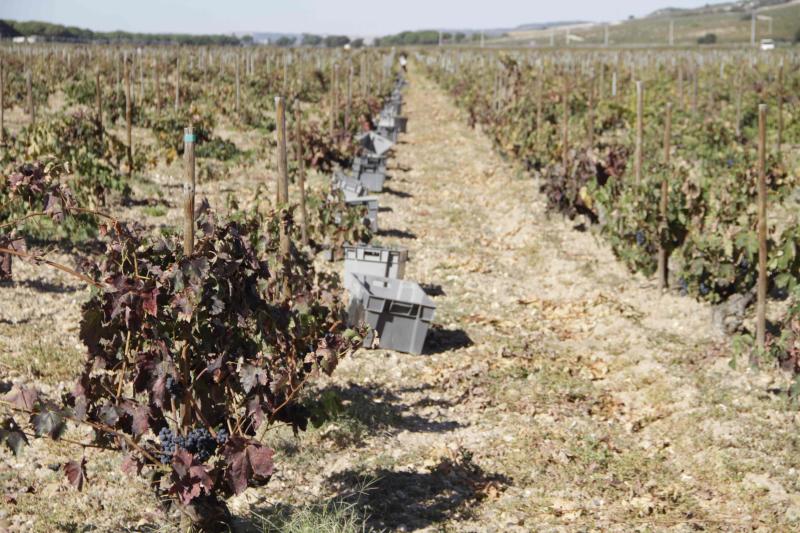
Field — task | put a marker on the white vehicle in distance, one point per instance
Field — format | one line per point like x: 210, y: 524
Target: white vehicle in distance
x: 767, y: 44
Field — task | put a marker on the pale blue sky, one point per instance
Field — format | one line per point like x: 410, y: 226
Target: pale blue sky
x: 364, y: 17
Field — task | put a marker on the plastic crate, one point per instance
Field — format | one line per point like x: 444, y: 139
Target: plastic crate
x: 372, y: 180
x: 375, y: 261
x: 398, y: 311
x: 393, y: 122
x: 369, y: 162
x: 388, y: 133
x: 350, y: 185
x: 375, y: 143
x: 371, y: 202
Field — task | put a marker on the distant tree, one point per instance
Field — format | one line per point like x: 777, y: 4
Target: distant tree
x: 460, y: 37
x: 708, y: 38
x: 284, y: 41
x: 335, y: 41
x: 357, y: 43
x: 310, y: 39
x: 247, y: 39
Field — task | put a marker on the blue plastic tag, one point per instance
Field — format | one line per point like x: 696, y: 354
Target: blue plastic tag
x: 188, y: 138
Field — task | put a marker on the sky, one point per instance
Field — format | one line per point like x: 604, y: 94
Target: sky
x: 351, y: 17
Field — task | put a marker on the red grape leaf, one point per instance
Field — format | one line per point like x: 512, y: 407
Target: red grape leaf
x: 76, y: 473
x: 246, y: 461
x: 22, y: 397
x: 130, y: 465
x: 189, y: 477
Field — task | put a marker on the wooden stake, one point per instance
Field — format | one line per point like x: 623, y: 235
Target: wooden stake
x: 188, y: 191
x: 738, y: 126
x: 238, y: 89
x: 301, y: 174
x: 283, y: 192
x: 29, y: 84
x: 177, y: 83
x: 663, y: 252
x: 539, y: 97
x: 780, y: 111
x: 349, y: 106
x: 128, y: 117
x: 639, y: 127
x: 590, y: 114
x: 565, y: 132
x: 99, y: 100
x: 761, y: 303
x: 2, y: 102
x: 282, y: 196
x: 157, y: 76
x: 334, y: 107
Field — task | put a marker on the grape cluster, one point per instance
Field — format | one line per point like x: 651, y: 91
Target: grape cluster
x: 640, y: 240
x: 174, y: 387
x: 200, y: 443
x: 684, y: 287
x: 170, y: 442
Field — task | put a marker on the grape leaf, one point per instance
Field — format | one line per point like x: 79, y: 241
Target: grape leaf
x: 22, y: 397
x: 189, y: 477
x: 11, y: 434
x: 76, y: 473
x: 49, y: 421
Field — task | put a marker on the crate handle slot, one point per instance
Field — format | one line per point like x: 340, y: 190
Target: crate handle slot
x: 400, y: 308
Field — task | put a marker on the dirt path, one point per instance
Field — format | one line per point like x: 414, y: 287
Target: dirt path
x: 559, y: 392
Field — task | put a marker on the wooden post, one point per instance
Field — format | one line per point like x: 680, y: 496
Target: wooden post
x: 539, y: 96
x: 99, y: 100
x: 663, y: 257
x: 283, y: 192
x: 128, y: 116
x: 761, y: 303
x: 738, y: 125
x: 590, y: 114
x: 282, y: 196
x: 301, y: 173
x: 141, y: 78
x: 614, y: 84
x: 188, y: 192
x: 177, y: 83
x: 29, y: 84
x: 639, y: 127
x: 157, y: 77
x: 780, y: 111
x: 349, y: 106
x: 238, y: 89
x: 565, y: 132
x: 334, y: 110
x: 2, y: 101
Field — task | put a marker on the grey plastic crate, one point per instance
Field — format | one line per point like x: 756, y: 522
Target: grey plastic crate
x: 398, y: 311
x: 372, y: 180
x: 375, y: 261
x: 393, y: 122
x: 350, y: 185
x: 388, y: 133
x: 375, y: 143
x: 369, y: 162
x: 372, y: 209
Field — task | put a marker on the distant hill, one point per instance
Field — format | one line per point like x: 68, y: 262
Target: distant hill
x: 730, y: 22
